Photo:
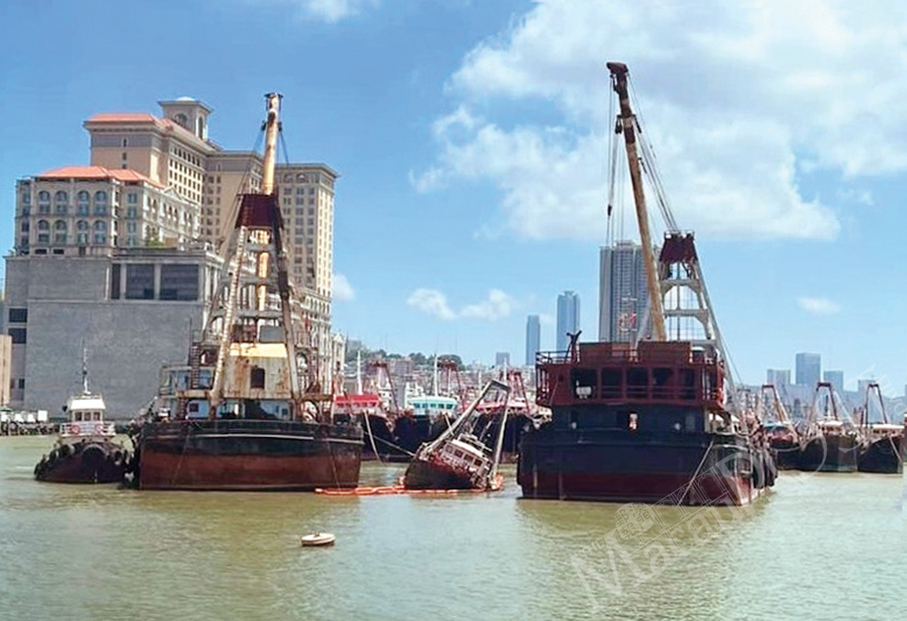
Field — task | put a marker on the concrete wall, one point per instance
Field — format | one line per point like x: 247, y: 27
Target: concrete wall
x: 127, y: 340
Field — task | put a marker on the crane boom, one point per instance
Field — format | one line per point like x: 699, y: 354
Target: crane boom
x: 619, y: 74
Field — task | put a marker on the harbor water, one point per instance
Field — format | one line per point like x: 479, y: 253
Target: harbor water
x: 823, y: 546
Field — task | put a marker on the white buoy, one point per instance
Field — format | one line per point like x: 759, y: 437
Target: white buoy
x: 318, y: 539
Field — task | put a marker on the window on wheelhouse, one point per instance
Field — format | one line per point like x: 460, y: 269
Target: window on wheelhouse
x: 584, y: 383
x: 257, y: 378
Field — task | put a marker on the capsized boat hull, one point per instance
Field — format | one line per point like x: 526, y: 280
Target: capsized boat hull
x: 248, y: 455
x: 90, y: 461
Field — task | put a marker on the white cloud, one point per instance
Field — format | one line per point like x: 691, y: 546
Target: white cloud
x: 737, y: 99
x: 496, y: 306
x: 546, y: 320
x: 342, y: 288
x: 819, y: 306
x: 332, y: 11
x: 433, y: 302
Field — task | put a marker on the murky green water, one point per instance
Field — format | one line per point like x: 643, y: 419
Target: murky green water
x: 819, y: 547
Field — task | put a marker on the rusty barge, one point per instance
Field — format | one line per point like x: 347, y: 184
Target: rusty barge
x: 247, y: 412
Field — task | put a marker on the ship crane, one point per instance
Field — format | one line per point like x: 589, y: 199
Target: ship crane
x: 679, y: 306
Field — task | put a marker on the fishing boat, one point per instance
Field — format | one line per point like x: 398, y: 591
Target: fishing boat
x: 882, y: 451
x: 782, y: 434
x: 649, y: 421
x: 461, y: 457
x: 318, y: 539
x: 831, y: 442
x: 247, y: 412
x: 85, y: 450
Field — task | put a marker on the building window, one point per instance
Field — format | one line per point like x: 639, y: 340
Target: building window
x: 18, y: 315
x: 26, y: 198
x: 179, y: 281
x: 43, y: 238
x: 43, y: 225
x: 139, y: 281
x: 24, y: 226
x: 100, y: 203
x: 115, y: 281
x: 132, y: 198
x: 83, y: 199
x: 257, y: 378
x: 19, y: 335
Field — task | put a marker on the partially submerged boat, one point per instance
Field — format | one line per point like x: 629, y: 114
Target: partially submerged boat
x: 85, y: 450
x: 462, y: 457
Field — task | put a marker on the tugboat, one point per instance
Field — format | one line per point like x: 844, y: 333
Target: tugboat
x: 646, y: 421
x: 248, y: 412
x: 831, y: 443
x: 783, y: 436
x: 882, y: 453
x: 85, y: 450
x: 460, y: 458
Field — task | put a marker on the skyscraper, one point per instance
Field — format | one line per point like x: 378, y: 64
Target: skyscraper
x: 622, y: 292
x: 567, y: 318
x: 778, y: 377
x: 533, y: 338
x: 809, y: 369
x: 835, y: 378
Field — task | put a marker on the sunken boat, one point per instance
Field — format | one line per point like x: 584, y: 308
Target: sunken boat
x: 466, y: 455
x: 650, y: 420
x: 85, y: 450
x: 247, y: 412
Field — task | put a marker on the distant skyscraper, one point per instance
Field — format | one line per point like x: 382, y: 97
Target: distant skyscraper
x: 502, y: 359
x: 778, y: 377
x: 567, y: 318
x: 533, y: 338
x: 835, y: 378
x: 809, y: 369
x: 622, y: 292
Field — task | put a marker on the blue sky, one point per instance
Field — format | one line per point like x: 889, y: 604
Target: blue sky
x: 471, y: 136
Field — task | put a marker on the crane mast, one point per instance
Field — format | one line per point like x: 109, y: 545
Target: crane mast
x: 619, y: 73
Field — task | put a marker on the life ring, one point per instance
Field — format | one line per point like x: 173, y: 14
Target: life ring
x: 99, y: 428
x: 75, y: 429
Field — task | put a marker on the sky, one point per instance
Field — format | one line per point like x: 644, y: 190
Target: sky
x: 471, y: 139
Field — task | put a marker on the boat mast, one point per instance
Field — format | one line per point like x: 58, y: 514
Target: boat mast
x: 619, y: 73
x: 85, y: 370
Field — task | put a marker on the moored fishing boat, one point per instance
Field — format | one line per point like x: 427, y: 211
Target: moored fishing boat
x: 882, y: 453
x: 831, y: 442
x: 780, y: 430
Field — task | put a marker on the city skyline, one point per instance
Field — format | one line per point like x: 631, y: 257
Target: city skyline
x: 456, y: 135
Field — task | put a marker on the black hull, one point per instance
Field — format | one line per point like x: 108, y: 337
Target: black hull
x: 882, y: 456
x: 786, y: 454
x: 94, y: 461
x: 249, y: 455
x: 622, y: 466
x: 410, y: 432
x: 384, y: 441
x: 422, y: 474
x: 830, y: 453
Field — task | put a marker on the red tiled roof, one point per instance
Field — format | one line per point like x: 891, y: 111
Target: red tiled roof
x: 97, y: 172
x: 122, y: 117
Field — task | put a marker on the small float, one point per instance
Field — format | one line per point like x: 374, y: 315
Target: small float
x: 318, y: 539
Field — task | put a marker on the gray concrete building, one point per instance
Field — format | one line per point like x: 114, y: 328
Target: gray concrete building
x: 533, y: 338
x: 132, y: 309
x: 808, y: 369
x: 567, y: 318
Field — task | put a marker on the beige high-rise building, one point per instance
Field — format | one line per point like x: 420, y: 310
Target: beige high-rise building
x: 176, y: 152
